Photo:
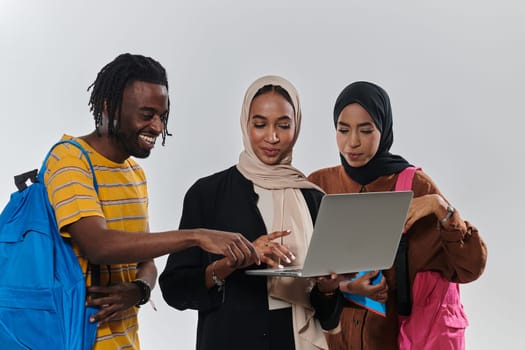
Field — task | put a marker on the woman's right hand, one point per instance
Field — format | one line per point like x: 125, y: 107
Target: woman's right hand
x: 363, y: 286
x: 273, y: 253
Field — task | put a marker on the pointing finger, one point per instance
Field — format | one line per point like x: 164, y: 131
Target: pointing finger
x: 278, y: 234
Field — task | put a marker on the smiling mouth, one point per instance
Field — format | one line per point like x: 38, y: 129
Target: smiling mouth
x: 149, y: 140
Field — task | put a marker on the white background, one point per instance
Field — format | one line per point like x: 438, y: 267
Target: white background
x: 454, y: 71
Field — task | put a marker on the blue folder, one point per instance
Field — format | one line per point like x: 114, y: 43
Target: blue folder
x: 370, y: 304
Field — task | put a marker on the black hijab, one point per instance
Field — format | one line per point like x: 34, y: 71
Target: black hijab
x: 376, y: 102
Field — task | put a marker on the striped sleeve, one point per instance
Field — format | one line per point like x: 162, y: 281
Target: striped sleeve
x: 70, y: 186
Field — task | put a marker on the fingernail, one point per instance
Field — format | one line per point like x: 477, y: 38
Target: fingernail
x: 289, y: 231
x: 280, y: 266
x: 293, y: 256
x: 288, y: 260
x: 91, y: 319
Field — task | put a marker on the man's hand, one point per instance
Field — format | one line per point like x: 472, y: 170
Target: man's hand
x: 234, y: 246
x: 114, y: 299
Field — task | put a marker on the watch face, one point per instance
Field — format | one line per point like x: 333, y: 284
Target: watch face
x: 450, y: 211
x: 145, y: 291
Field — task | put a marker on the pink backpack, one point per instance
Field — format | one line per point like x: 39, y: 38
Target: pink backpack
x: 437, y: 320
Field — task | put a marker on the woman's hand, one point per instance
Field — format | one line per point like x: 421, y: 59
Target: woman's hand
x: 364, y: 287
x: 273, y: 253
x: 423, y: 206
x: 329, y: 284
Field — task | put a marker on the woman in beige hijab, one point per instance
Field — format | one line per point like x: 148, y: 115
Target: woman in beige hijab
x: 262, y: 193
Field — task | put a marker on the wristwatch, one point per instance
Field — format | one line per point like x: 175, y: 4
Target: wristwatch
x: 145, y: 291
x: 450, y: 212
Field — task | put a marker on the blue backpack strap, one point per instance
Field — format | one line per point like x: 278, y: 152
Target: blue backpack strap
x: 84, y: 152
x: 95, y: 269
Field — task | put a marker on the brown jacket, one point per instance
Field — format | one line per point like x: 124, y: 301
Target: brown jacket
x: 459, y: 255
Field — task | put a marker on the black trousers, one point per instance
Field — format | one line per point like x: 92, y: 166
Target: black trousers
x: 281, y: 329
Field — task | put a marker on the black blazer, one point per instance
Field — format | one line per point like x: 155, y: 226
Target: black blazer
x: 236, y: 317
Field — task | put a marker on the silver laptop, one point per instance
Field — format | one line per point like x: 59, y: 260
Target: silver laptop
x: 353, y: 232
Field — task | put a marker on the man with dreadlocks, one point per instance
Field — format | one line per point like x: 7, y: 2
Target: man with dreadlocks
x: 130, y: 103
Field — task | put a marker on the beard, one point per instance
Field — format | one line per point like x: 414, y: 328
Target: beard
x: 130, y: 144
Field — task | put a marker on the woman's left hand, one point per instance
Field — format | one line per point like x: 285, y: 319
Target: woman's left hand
x: 273, y: 253
x: 423, y: 206
x: 363, y: 286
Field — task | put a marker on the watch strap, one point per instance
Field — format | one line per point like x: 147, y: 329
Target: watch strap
x: 145, y: 290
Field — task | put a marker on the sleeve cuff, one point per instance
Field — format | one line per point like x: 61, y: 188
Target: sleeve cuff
x: 452, y: 236
x: 335, y: 330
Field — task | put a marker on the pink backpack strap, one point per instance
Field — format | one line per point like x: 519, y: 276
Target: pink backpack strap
x: 404, y: 298
x: 404, y: 179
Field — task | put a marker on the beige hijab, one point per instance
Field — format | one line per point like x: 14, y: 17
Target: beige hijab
x: 290, y: 212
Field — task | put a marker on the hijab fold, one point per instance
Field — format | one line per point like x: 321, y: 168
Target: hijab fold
x: 376, y: 102
x: 290, y: 212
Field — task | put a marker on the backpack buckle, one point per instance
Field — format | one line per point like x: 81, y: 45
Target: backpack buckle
x: 21, y: 180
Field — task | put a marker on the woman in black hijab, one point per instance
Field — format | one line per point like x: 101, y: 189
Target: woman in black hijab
x: 438, y: 239
x: 376, y: 102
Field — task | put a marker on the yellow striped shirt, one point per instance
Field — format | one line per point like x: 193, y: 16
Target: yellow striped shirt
x: 122, y: 200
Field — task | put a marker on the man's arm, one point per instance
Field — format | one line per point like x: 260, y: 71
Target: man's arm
x: 101, y: 245
x: 147, y: 271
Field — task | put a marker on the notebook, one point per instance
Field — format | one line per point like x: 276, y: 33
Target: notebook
x: 353, y: 232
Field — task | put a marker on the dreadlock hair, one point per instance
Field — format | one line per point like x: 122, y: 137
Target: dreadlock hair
x: 113, y: 78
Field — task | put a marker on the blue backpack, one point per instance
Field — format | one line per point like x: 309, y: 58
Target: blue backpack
x: 42, y: 287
